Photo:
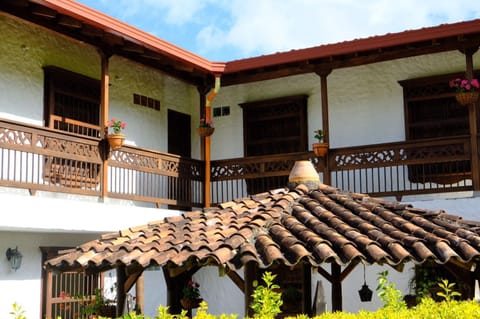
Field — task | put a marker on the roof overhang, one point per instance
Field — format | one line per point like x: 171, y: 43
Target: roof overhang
x: 447, y: 37
x: 114, y: 37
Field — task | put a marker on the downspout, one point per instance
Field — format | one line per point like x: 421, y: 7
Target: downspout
x: 208, y: 117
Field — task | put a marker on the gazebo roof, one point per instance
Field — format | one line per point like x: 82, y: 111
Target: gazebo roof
x: 285, y: 227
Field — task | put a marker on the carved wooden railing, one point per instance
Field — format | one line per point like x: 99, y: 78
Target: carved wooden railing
x: 150, y: 176
x: 38, y: 158
x: 404, y: 168
x: 73, y: 126
x: 392, y: 169
x: 239, y: 177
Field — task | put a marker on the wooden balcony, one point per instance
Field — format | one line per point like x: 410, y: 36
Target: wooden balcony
x: 44, y: 159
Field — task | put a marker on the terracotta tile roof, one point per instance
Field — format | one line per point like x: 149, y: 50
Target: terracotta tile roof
x: 288, y: 227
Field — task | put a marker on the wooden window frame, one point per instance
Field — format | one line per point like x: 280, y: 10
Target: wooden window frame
x: 274, y: 126
x: 431, y: 112
x: 84, y: 94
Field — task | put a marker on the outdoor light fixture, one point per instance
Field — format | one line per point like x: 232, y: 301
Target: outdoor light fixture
x: 365, y: 293
x: 14, y: 257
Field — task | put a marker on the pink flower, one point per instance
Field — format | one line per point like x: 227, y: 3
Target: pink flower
x: 116, y: 125
x: 464, y: 85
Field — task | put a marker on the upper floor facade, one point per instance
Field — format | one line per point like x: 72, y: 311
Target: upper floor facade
x: 392, y: 123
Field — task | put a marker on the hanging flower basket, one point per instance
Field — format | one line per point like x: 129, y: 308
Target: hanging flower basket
x: 189, y: 303
x: 115, y: 140
x: 205, y: 131
x: 467, y: 98
x: 320, y: 149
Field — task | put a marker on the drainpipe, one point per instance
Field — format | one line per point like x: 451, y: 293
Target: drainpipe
x: 208, y: 117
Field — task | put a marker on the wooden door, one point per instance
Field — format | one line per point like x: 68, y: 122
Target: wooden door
x: 179, y: 131
x: 179, y: 143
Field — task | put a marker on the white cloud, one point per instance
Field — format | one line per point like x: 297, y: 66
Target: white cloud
x: 244, y: 28
x: 267, y: 26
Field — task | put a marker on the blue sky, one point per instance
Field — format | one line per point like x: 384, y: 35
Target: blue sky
x: 226, y: 30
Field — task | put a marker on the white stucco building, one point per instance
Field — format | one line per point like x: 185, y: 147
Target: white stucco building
x: 364, y: 93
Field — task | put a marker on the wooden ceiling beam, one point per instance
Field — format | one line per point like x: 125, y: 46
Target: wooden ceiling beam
x: 42, y: 11
x: 91, y: 31
x: 69, y: 22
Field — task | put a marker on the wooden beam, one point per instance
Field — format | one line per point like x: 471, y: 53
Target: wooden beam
x: 325, y: 274
x: 140, y: 293
x: 336, y: 288
x: 44, y: 12
x: 121, y: 293
x: 104, y: 148
x: 131, y: 280
x: 251, y: 274
x: 348, y: 269
x: 472, y: 118
x: 237, y: 280
x: 67, y: 21
x: 323, y: 73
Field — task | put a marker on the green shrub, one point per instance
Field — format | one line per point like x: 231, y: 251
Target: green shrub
x: 266, y: 302
x: 389, y: 294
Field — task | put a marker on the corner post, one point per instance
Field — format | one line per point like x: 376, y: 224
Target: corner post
x: 104, y: 105
x: 472, y: 118
x: 323, y: 73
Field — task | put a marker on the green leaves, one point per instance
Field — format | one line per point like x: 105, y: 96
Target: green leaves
x: 266, y: 302
x: 388, y: 293
x: 448, y: 293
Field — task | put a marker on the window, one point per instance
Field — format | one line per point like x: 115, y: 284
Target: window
x: 275, y: 126
x: 72, y: 102
x: 431, y: 111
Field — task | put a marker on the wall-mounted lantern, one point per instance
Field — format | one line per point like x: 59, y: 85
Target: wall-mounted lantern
x: 14, y: 257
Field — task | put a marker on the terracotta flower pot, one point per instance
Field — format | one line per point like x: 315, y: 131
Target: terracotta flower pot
x: 205, y: 131
x: 115, y: 140
x: 320, y: 149
x: 467, y: 98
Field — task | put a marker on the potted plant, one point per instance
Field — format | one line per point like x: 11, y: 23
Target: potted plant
x: 116, y: 139
x: 320, y: 148
x: 97, y: 305
x: 191, y: 295
x: 467, y: 91
x: 205, y: 128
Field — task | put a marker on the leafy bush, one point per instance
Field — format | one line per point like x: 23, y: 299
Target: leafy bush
x: 266, y: 301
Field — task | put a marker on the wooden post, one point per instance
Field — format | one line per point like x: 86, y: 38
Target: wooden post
x: 472, y: 117
x: 325, y: 126
x: 336, y: 287
x: 208, y: 117
x: 121, y: 293
x: 105, y: 79
x: 140, y: 294
x: 207, y: 158
x: 250, y: 275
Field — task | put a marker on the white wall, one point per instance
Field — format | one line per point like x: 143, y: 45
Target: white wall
x: 24, y: 285
x: 365, y: 102
x: 26, y: 49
